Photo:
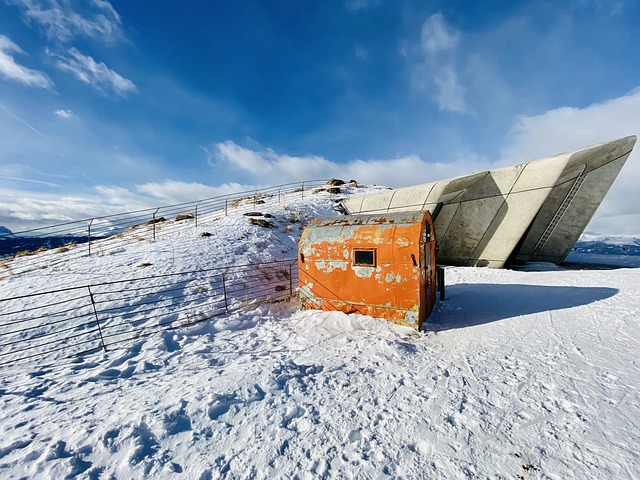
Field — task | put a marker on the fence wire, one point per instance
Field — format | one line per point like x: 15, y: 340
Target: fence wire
x: 78, y: 320
x: 86, y: 237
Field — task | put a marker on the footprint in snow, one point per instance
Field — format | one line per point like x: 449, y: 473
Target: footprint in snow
x: 292, y: 414
x: 177, y: 420
x: 170, y: 343
x: 113, y: 373
x: 221, y: 405
x: 145, y: 445
x: 129, y: 354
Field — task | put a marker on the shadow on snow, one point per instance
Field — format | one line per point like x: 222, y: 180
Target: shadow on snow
x: 469, y: 305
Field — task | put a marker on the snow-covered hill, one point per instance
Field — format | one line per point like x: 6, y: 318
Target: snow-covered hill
x: 518, y: 374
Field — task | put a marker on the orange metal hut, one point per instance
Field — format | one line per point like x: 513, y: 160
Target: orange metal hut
x: 381, y: 265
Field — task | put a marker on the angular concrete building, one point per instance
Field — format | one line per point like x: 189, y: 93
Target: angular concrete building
x: 532, y: 212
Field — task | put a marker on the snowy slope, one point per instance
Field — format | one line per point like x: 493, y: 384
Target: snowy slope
x: 518, y: 374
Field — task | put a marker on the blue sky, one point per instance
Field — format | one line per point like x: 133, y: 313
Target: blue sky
x: 113, y: 106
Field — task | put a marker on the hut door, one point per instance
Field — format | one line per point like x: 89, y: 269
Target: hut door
x: 428, y: 269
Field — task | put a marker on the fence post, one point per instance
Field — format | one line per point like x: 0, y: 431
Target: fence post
x: 291, y: 279
x: 153, y: 220
x: 440, y: 282
x: 224, y: 289
x: 95, y: 312
x: 197, y: 212
x: 89, y: 235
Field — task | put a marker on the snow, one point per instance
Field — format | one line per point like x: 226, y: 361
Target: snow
x: 527, y: 373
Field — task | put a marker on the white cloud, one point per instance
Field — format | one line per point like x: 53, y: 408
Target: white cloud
x: 244, y: 158
x: 22, y: 210
x: 13, y: 71
x: 435, y: 70
x: 171, y: 192
x: 98, y: 75
x: 451, y: 93
x: 437, y: 36
x: 567, y: 128
x: 60, y: 21
x: 268, y: 167
x: 556, y: 131
x: 62, y: 113
x: 120, y: 199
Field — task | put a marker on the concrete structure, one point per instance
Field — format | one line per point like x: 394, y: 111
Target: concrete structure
x: 532, y: 212
x: 378, y: 265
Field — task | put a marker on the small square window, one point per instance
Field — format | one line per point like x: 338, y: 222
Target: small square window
x: 364, y: 258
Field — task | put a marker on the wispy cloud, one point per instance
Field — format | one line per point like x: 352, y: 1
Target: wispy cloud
x: 19, y: 73
x: 28, y: 180
x: 358, y: 5
x: 436, y: 68
x: 95, y: 74
x: 361, y: 52
x: 15, y: 117
x: 450, y: 92
x: 62, y: 113
x: 59, y: 20
x: 438, y: 37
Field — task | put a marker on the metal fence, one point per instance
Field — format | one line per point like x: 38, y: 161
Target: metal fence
x: 141, y: 224
x: 73, y: 321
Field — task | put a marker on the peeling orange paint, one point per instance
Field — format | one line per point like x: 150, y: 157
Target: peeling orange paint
x: 396, y: 276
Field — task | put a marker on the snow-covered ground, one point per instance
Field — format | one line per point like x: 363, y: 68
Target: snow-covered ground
x: 518, y: 374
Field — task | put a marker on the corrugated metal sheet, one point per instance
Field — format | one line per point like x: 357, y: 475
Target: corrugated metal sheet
x: 381, y: 265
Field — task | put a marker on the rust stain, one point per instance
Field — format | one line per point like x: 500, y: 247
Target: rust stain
x: 396, y: 280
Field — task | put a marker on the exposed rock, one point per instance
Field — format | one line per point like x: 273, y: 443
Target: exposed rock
x: 261, y: 222
x: 335, y: 182
x: 258, y: 214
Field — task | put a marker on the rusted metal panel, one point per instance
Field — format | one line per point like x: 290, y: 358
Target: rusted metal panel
x: 380, y: 265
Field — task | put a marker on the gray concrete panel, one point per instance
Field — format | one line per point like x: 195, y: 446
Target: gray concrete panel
x: 533, y: 211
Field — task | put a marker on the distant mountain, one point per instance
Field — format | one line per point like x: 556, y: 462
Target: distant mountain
x: 5, y: 231
x: 11, y: 244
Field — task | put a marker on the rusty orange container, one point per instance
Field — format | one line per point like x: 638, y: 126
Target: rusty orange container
x: 382, y: 265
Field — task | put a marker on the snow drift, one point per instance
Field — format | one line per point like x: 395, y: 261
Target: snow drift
x: 525, y: 374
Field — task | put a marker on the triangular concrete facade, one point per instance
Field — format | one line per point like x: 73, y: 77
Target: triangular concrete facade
x: 531, y: 212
